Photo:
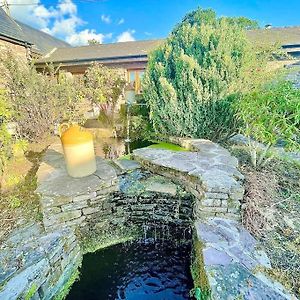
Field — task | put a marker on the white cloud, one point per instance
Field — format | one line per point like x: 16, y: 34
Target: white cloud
x: 82, y: 37
x: 66, y: 27
x: 126, y: 36
x: 35, y: 15
x: 106, y: 19
x: 67, y: 7
x: 121, y: 21
x: 61, y: 20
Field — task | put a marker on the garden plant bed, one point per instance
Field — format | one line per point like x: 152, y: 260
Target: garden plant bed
x: 271, y: 211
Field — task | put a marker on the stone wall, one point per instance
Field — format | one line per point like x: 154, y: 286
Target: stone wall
x: 209, y: 172
x: 203, y: 182
x: 37, y: 265
x: 149, y: 202
x: 18, y: 50
x: 105, y: 200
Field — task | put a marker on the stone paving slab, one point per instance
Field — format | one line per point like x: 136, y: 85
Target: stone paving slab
x: 126, y: 165
x: 214, y: 158
x: 232, y: 258
x: 53, y: 179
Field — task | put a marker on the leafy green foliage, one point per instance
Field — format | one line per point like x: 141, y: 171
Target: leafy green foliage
x: 5, y: 137
x: 103, y: 88
x: 104, y: 85
x: 39, y: 101
x: 194, y: 79
x: 270, y: 115
x: 140, y: 125
x: 245, y: 23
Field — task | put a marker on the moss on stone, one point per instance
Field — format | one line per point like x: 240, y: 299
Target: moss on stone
x: 92, y: 241
x: 167, y: 146
x: 201, y: 290
x: 31, y: 292
x: 67, y: 286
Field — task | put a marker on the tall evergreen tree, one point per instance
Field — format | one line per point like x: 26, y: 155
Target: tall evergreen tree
x: 194, y: 78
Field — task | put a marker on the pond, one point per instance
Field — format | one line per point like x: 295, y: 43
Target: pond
x: 112, y: 148
x: 134, y: 271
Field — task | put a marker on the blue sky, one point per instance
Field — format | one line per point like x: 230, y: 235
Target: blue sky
x: 76, y: 21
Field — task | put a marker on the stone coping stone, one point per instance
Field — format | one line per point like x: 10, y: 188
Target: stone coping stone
x: 213, y: 166
x: 232, y: 257
x: 53, y: 179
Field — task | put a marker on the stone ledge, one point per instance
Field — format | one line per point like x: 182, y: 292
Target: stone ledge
x: 53, y: 179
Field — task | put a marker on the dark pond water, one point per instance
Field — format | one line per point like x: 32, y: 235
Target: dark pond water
x: 137, y: 271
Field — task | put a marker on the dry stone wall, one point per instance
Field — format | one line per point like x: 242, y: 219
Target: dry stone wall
x: 204, y: 182
x: 209, y: 172
x: 37, y: 265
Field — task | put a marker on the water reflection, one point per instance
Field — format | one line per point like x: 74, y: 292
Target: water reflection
x: 148, y: 271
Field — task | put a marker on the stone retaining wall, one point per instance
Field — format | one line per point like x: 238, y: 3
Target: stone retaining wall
x: 37, y: 265
x: 147, y: 200
x: 40, y: 264
x: 63, y: 211
x: 209, y: 172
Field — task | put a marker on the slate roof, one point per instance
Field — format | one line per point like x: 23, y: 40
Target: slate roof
x: 288, y: 37
x: 281, y: 35
x: 10, y: 29
x: 42, y: 41
x: 102, y: 52
x: 24, y: 34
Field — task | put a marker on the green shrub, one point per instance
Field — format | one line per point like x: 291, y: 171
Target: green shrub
x: 194, y: 79
x: 270, y: 115
x: 39, y: 101
x: 5, y: 137
x: 140, y: 125
x: 103, y: 87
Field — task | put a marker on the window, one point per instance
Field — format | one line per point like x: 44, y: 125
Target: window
x: 135, y: 77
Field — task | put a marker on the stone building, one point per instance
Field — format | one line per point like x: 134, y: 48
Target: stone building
x: 25, y: 41
x: 132, y: 57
